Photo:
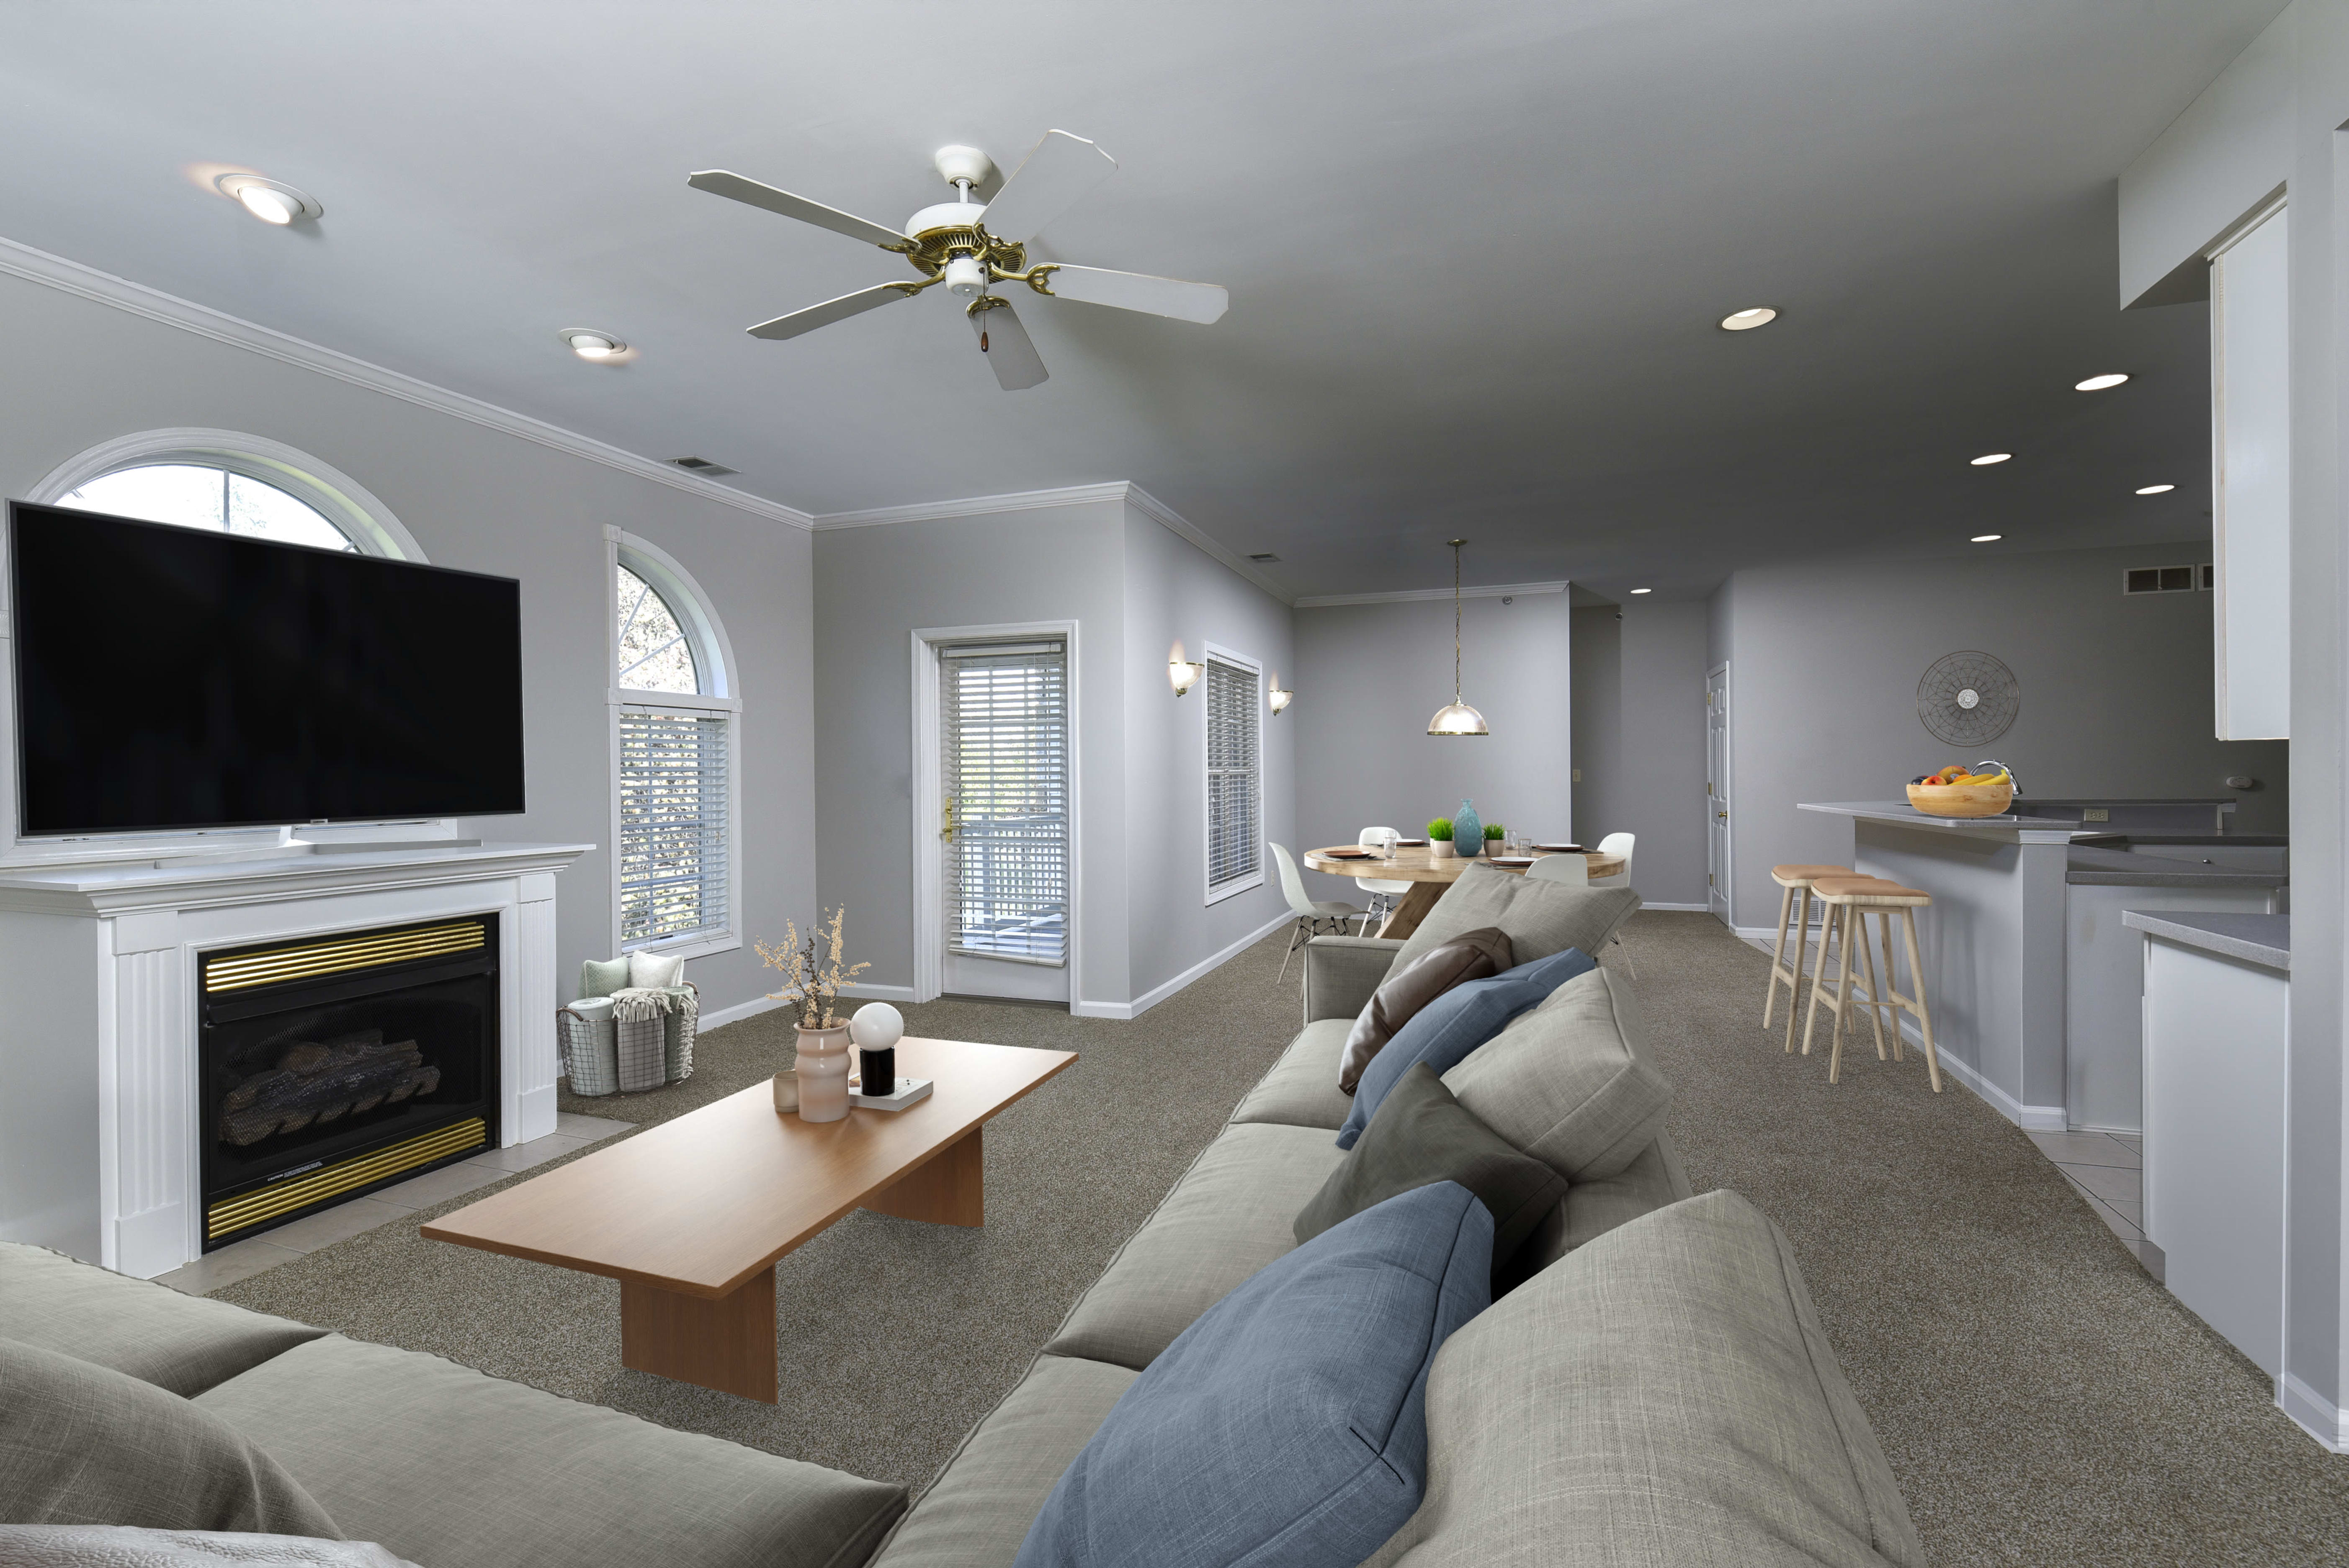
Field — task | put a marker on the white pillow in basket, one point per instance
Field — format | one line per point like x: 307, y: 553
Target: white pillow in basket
x: 655, y: 970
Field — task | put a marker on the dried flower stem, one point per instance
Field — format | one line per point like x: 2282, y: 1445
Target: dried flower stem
x: 814, y: 970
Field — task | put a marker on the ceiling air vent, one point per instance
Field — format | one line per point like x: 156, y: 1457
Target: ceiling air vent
x: 2166, y: 579
x: 1261, y: 556
x: 698, y: 466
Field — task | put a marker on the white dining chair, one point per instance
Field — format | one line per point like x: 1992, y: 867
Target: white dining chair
x: 1384, y: 891
x: 1617, y: 844
x: 1312, y: 915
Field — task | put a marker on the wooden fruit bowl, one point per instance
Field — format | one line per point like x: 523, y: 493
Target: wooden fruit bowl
x: 1961, y: 799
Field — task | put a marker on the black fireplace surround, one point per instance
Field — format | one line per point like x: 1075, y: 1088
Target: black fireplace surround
x: 335, y: 1064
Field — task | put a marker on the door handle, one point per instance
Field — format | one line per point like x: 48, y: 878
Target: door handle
x: 946, y: 823
x: 1723, y: 815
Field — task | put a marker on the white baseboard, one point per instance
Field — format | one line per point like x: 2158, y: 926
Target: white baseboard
x: 717, y: 1018
x: 1157, y: 994
x: 1680, y: 908
x: 2030, y: 1118
x: 2318, y: 1417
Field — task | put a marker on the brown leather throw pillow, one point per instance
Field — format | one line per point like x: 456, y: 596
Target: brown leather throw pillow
x: 1471, y: 956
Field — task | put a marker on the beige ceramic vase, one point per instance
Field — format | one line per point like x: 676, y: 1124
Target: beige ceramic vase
x: 823, y: 1073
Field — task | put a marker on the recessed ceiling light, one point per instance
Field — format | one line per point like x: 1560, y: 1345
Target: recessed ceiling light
x: 1747, y: 320
x: 2156, y: 489
x: 2098, y: 382
x: 1989, y: 457
x: 1987, y: 538
x: 589, y: 344
x: 271, y: 201
x: 1643, y: 589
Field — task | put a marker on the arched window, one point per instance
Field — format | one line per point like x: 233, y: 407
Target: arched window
x: 193, y: 496
x: 676, y: 758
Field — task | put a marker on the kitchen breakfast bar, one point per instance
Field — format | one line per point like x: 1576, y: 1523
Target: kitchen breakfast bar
x: 2033, y: 982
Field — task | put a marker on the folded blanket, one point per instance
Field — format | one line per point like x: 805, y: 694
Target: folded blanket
x: 121, y: 1546
x: 633, y: 1003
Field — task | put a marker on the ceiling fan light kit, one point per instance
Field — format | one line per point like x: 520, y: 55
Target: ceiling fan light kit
x: 1456, y: 718
x: 971, y: 246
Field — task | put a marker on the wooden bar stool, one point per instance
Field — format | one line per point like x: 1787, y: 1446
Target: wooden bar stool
x: 1788, y: 879
x: 1850, y: 901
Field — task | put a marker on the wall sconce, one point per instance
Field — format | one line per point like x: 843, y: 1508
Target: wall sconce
x: 1280, y: 699
x: 1183, y: 674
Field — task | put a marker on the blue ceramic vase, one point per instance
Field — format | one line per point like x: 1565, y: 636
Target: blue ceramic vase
x: 1467, y: 832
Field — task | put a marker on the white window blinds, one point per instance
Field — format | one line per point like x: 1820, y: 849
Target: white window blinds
x: 673, y: 817
x: 1005, y: 769
x: 1233, y: 826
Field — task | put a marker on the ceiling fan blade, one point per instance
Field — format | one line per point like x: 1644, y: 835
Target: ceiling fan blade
x: 734, y: 188
x: 1055, y: 176
x: 829, y: 311
x: 1202, y: 303
x: 1009, y: 354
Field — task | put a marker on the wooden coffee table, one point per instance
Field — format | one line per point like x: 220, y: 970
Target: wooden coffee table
x: 690, y: 1216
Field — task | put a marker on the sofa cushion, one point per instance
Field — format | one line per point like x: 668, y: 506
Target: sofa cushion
x: 1539, y: 917
x: 1653, y: 1181
x: 1286, y: 1427
x: 1301, y: 1089
x: 84, y: 1444
x: 977, y: 1511
x: 1455, y: 1023
x: 1476, y: 955
x: 451, y: 1469
x: 1421, y: 1136
x: 153, y: 1332
x: 128, y: 1547
x: 1568, y: 1082
x: 1663, y: 1395
x: 1227, y: 1218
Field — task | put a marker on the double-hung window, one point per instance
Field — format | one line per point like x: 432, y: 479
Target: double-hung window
x: 675, y: 722
x: 1234, y: 783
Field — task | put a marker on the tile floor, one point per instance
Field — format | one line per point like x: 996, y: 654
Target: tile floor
x: 243, y: 1260
x: 2104, y: 1168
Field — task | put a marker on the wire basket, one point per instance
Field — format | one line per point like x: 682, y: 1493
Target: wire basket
x: 602, y: 1056
x: 589, y: 1048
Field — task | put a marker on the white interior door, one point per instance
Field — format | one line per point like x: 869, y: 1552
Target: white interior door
x: 1003, y: 710
x: 1716, y: 792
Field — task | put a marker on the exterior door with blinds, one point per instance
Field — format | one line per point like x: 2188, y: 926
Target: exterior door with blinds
x: 1003, y: 710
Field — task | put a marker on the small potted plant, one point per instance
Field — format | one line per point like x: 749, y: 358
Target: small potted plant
x: 1439, y: 838
x: 1495, y: 834
x: 817, y: 973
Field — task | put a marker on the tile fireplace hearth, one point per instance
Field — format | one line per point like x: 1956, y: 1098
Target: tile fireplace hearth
x: 111, y: 1111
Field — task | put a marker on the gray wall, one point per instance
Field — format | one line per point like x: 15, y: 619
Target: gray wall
x: 1825, y: 657
x: 81, y: 373
x: 1369, y: 678
x: 1175, y: 596
x: 1638, y: 739
x: 880, y: 584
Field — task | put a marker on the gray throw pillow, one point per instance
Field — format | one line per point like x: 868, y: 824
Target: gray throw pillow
x: 1539, y: 918
x: 84, y: 1444
x: 1408, y: 988
x: 1568, y: 1082
x: 602, y: 977
x: 1421, y: 1136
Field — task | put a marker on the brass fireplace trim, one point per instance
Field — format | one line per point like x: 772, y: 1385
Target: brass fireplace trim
x: 337, y: 954
x: 251, y: 1209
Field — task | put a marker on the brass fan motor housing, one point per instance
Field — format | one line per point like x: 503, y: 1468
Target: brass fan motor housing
x: 1004, y: 262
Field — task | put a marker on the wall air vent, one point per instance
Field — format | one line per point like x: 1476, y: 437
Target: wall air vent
x: 1261, y: 556
x: 698, y: 466
x: 2168, y: 578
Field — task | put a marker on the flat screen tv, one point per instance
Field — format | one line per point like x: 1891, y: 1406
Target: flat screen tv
x: 169, y: 677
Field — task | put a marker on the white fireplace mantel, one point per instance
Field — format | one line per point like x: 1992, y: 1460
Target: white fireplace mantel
x: 97, y: 1016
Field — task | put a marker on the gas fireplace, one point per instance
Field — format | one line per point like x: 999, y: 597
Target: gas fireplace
x: 332, y: 1067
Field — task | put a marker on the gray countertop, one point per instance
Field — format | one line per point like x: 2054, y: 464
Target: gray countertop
x: 1900, y: 814
x: 2255, y: 938
x: 2091, y: 867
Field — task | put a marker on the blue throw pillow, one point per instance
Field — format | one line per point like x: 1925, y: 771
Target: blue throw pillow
x: 1287, y: 1427
x: 1443, y: 1033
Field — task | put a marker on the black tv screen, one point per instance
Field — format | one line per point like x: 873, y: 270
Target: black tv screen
x: 170, y: 677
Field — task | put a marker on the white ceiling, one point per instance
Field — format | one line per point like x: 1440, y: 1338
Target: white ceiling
x: 1475, y: 251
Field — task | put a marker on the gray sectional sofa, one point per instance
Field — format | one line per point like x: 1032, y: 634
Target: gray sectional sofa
x: 1656, y: 1391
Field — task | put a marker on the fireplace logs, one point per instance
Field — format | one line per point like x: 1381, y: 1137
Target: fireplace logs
x: 320, y: 1081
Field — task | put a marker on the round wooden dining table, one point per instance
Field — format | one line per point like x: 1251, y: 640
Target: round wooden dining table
x: 1429, y: 876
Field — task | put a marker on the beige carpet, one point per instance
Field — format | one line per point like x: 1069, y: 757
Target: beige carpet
x: 2043, y: 1401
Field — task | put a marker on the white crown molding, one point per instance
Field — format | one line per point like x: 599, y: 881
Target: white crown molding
x: 137, y: 299
x: 1125, y: 491
x: 1408, y: 595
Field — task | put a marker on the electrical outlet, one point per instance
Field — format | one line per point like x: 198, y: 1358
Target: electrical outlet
x: 2094, y: 814
x: 1577, y: 776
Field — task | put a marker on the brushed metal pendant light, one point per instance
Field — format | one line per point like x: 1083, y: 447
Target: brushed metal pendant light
x: 1456, y: 718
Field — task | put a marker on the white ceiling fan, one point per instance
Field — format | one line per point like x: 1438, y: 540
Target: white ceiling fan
x: 972, y: 246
